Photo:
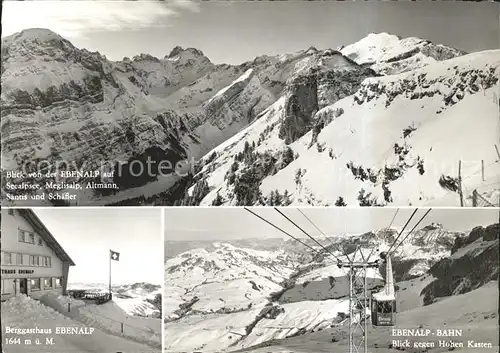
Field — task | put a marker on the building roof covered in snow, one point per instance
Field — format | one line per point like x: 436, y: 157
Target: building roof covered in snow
x: 38, y: 226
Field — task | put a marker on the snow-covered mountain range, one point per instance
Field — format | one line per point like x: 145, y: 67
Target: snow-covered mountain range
x: 224, y: 298
x: 460, y: 292
x: 138, y: 299
x: 391, y: 116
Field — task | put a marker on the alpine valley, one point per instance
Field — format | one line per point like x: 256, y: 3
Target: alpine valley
x: 276, y: 295
x: 383, y: 121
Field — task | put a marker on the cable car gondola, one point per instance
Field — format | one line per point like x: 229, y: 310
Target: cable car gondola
x: 384, y: 302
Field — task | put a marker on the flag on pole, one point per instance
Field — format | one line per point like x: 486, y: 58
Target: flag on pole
x: 114, y: 255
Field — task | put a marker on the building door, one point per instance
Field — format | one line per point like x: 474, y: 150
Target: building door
x: 23, y: 286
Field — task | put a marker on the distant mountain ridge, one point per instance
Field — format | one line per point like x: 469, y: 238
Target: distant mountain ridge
x: 205, y: 263
x: 225, y: 298
x: 140, y: 299
x: 262, y: 132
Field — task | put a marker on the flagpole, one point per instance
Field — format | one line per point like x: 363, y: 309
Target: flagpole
x: 109, y: 274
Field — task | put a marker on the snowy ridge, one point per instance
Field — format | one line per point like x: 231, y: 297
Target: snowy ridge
x: 242, y: 78
x: 264, y: 131
x: 460, y: 290
x: 389, y: 54
x: 60, y: 101
x: 135, y: 299
x: 411, y: 110
x: 224, y: 298
x: 244, y: 278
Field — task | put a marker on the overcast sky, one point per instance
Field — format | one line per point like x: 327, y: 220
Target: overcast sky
x: 237, y: 223
x: 87, y: 235
x: 237, y: 31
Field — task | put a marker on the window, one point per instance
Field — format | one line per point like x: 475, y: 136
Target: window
x: 19, y: 259
x: 7, y: 258
x: 47, y: 283
x: 385, y: 307
x: 32, y: 260
x: 27, y: 237
x: 46, y: 261
x: 49, y: 259
x: 58, y: 282
x: 40, y: 241
x: 7, y: 286
x: 22, y: 238
x: 35, y: 284
x: 37, y: 260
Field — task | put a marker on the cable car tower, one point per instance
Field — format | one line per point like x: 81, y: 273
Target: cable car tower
x: 358, y: 303
x: 382, y: 304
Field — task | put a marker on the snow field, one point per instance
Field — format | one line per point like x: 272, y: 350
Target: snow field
x: 109, y: 318
x: 22, y: 312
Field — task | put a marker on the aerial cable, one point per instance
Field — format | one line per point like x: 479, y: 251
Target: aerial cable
x: 390, y: 225
x: 281, y: 230
x: 303, y: 231
x: 319, y: 230
x: 402, y: 230
x: 415, y: 226
x: 393, y: 218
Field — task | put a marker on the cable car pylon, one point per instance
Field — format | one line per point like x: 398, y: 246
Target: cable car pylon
x: 358, y: 297
x: 358, y: 286
x: 358, y: 303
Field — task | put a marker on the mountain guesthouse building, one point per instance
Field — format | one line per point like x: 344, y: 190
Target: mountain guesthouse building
x: 33, y: 262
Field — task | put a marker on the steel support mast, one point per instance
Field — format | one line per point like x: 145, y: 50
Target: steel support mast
x: 359, y: 300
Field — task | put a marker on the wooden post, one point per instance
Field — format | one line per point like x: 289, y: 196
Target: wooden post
x: 69, y: 307
x: 482, y: 168
x: 460, y: 184
x: 498, y: 152
x: 122, y: 327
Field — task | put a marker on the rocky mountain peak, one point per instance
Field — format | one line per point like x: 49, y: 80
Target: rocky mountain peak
x: 42, y: 34
x: 144, y: 57
x: 178, y: 50
x: 311, y: 50
x: 433, y: 226
x: 37, y: 37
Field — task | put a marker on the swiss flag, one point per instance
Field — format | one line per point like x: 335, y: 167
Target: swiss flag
x: 114, y: 255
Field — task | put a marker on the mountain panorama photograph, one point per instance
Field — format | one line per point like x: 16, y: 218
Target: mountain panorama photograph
x: 234, y: 283
x: 250, y: 103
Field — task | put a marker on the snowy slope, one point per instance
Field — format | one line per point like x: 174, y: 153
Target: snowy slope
x: 224, y: 298
x: 23, y: 313
x: 108, y: 317
x: 475, y: 313
x: 61, y: 102
x: 272, y: 125
x: 389, y: 54
x: 424, y: 116
x: 213, y: 333
x: 227, y: 279
x: 459, y: 292
x: 134, y: 299
x: 413, y: 257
